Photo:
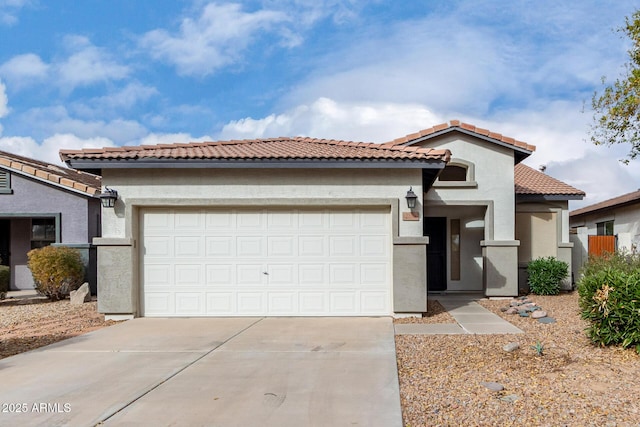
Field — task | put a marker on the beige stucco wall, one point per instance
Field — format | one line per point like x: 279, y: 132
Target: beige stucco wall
x: 626, y: 225
x: 493, y: 167
x: 538, y: 235
x: 243, y: 184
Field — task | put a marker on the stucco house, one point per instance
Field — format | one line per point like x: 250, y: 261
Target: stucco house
x: 610, y: 225
x: 315, y: 227
x: 43, y: 204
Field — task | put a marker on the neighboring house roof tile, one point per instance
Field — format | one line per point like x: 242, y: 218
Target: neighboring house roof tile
x: 529, y: 181
x: 62, y: 177
x: 298, y: 148
x: 453, y: 124
x: 616, y: 202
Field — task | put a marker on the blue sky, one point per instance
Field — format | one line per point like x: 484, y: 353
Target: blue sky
x: 104, y: 73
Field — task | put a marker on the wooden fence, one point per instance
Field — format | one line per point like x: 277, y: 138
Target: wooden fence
x: 599, y: 245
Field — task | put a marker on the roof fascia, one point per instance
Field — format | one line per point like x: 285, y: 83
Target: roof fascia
x: 522, y: 151
x: 51, y: 183
x: 258, y: 164
x: 547, y: 197
x: 605, y: 209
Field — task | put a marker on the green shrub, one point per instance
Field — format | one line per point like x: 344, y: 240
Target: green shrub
x: 545, y: 275
x: 56, y: 270
x: 610, y: 299
x: 5, y: 272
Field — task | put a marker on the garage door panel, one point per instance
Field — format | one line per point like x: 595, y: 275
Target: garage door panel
x: 220, y: 220
x: 282, y: 303
x: 340, y: 246
x: 189, y: 303
x: 249, y: 274
x: 311, y: 246
x: 157, y: 275
x: 220, y: 275
x: 220, y: 246
x: 282, y: 246
x: 264, y: 261
x: 187, y: 247
x: 221, y: 303
x: 188, y: 275
x: 250, y: 246
x: 251, y: 303
x: 282, y: 274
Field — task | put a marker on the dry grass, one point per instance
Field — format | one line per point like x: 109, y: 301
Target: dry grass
x: 574, y: 383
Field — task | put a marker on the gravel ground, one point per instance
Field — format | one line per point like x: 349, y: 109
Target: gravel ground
x: 26, y: 324
x: 573, y: 383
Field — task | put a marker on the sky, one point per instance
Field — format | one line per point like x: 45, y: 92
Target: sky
x: 98, y: 73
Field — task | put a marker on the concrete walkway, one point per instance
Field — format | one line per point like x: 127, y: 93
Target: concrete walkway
x: 210, y: 371
x: 470, y: 316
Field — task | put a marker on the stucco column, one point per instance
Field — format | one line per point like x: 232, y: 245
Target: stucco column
x: 500, y: 267
x: 410, y: 274
x: 117, y: 298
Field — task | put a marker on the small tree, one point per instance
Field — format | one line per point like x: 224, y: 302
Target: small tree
x: 545, y: 275
x: 617, y: 108
x: 56, y: 270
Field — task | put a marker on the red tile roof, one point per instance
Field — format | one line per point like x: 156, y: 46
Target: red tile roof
x: 529, y: 181
x: 616, y: 202
x: 457, y: 124
x: 298, y: 148
x: 63, y: 177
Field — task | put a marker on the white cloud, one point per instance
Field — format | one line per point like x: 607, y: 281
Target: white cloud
x: 4, y: 101
x: 214, y: 39
x: 24, y: 70
x: 87, y: 64
x: 9, y: 10
x: 171, y: 138
x: 326, y: 118
x: 48, y: 149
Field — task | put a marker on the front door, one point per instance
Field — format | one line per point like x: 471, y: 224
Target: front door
x: 436, y: 229
x: 4, y: 242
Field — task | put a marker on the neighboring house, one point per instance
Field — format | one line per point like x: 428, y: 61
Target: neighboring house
x: 43, y: 204
x: 607, y: 226
x: 313, y: 227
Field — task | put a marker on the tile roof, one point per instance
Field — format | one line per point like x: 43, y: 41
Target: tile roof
x: 82, y: 182
x: 529, y: 181
x: 624, y: 200
x: 457, y: 124
x: 298, y: 148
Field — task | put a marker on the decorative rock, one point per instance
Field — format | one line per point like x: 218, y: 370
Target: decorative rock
x: 512, y: 310
x: 503, y: 309
x: 538, y: 314
x: 547, y: 320
x: 510, y: 398
x: 512, y: 346
x: 523, y: 313
x: 493, y: 386
x: 82, y: 295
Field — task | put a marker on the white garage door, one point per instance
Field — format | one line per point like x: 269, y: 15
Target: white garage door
x: 253, y: 262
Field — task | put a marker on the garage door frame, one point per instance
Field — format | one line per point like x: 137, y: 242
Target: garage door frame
x: 134, y: 206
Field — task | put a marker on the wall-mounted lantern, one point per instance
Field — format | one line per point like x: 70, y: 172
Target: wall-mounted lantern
x: 108, y: 197
x: 411, y: 198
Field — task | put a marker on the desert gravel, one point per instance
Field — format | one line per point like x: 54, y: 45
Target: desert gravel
x: 573, y: 383
x: 26, y: 324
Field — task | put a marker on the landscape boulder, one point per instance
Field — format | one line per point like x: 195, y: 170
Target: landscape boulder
x: 81, y: 295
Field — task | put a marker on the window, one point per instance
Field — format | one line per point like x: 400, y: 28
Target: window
x: 605, y: 228
x: 5, y: 182
x: 455, y: 249
x: 43, y: 232
x: 458, y: 173
x: 453, y: 173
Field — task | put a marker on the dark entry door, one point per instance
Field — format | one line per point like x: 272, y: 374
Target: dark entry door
x: 436, y: 229
x: 4, y: 242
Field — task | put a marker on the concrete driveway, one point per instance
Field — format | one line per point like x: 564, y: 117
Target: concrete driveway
x: 213, y: 372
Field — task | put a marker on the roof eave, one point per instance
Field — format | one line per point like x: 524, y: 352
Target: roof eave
x: 52, y: 183
x: 523, y: 153
x: 579, y: 212
x: 146, y: 163
x: 547, y: 197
